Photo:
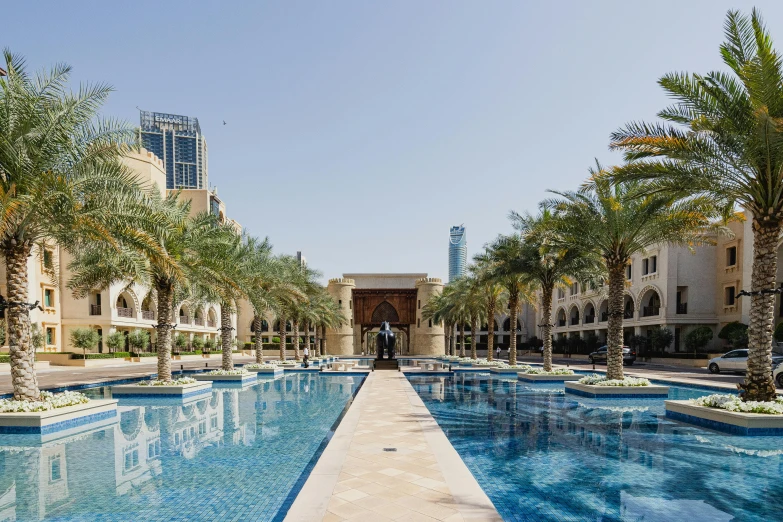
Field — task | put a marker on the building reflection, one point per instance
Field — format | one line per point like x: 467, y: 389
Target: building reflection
x: 148, y: 444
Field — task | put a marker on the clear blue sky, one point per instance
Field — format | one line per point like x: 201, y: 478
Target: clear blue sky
x: 352, y: 123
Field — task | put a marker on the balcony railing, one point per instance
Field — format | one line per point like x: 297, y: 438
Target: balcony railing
x: 211, y: 324
x: 682, y: 308
x: 95, y: 309
x: 604, y: 316
x: 650, y: 311
x: 574, y: 320
x: 198, y: 321
x: 148, y: 314
x: 589, y: 319
x: 561, y: 322
x: 124, y: 312
x: 184, y: 319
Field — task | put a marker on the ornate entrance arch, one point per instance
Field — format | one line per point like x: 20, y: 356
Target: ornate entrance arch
x: 371, y: 306
x: 385, y: 312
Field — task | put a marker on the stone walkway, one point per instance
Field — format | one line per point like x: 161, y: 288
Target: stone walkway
x: 423, y: 479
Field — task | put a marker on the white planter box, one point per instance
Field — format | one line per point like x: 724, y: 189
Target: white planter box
x: 508, y: 371
x: 184, y: 390
x: 225, y: 378
x: 528, y: 377
x: 59, y: 419
x: 266, y: 371
x: 736, y: 423
x: 617, y: 392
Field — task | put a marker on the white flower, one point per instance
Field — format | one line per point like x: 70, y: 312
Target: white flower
x: 557, y: 371
x: 601, y: 380
x: 228, y: 372
x: 734, y: 403
x: 175, y: 382
x: 49, y: 401
x: 522, y: 367
x: 257, y: 366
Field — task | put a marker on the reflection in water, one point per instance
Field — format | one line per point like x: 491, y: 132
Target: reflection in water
x: 543, y: 455
x: 236, y: 452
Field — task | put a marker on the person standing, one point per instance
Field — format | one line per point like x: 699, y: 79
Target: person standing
x: 306, y: 357
x: 498, y: 353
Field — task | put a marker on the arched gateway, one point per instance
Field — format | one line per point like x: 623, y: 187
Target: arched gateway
x: 367, y: 300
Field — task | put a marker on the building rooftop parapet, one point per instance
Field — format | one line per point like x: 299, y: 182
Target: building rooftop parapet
x: 341, y: 281
x: 429, y: 280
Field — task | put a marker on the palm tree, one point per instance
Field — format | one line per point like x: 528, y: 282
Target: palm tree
x: 726, y: 144
x: 329, y: 316
x: 612, y: 222
x: 544, y: 262
x: 503, y: 255
x: 61, y: 182
x: 182, y: 257
x: 468, y: 290
x: 439, y: 310
x: 493, y: 292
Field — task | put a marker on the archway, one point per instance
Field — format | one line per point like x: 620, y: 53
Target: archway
x: 651, y: 302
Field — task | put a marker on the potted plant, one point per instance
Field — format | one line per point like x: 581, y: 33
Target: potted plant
x: 84, y: 339
x: 198, y: 343
x: 138, y: 341
x: 180, y: 342
x: 115, y: 341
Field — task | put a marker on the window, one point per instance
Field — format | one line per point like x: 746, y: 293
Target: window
x: 55, y: 469
x: 560, y: 293
x: 418, y: 323
x: 729, y: 296
x: 731, y: 256
x: 430, y: 323
x: 574, y: 288
x: 131, y: 459
x: 50, y: 336
x: 419, y: 306
x: 153, y: 449
x: 628, y: 272
x: 649, y: 265
x: 351, y: 323
x: 48, y: 259
x: 340, y: 303
x: 350, y: 304
x: 48, y: 297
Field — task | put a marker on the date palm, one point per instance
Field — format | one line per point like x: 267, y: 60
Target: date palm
x: 544, y: 262
x: 612, y: 222
x: 61, y: 182
x: 183, y: 257
x: 503, y: 255
x: 724, y: 142
x: 439, y: 309
x: 494, y: 294
x: 468, y: 290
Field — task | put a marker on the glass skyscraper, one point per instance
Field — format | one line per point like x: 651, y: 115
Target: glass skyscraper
x: 458, y: 253
x: 178, y: 141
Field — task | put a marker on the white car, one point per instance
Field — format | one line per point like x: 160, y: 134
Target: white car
x: 777, y: 374
x: 733, y: 361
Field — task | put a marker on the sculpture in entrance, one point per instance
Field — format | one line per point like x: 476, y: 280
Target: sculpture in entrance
x: 384, y: 341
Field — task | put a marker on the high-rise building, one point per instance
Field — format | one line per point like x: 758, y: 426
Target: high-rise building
x: 458, y: 252
x: 178, y: 141
x: 302, y: 260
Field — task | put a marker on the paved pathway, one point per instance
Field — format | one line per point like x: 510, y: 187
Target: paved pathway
x: 423, y: 480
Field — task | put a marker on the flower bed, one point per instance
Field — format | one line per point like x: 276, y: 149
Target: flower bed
x: 240, y: 371
x: 49, y: 401
x: 734, y: 403
x: 601, y: 380
x: 257, y: 366
x: 520, y: 367
x: 558, y: 371
x: 175, y: 382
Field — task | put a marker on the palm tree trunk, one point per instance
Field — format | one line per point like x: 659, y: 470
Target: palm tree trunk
x: 513, y: 303
x: 282, y: 334
x: 614, y: 329
x: 758, y: 385
x: 462, y: 339
x: 225, y: 337
x: 295, y: 325
x: 259, y: 340
x: 323, y: 340
x: 316, y: 345
x: 452, y: 335
x: 165, y: 293
x: 473, y: 330
x: 307, y: 337
x: 491, y: 304
x: 546, y: 326
x: 22, y: 351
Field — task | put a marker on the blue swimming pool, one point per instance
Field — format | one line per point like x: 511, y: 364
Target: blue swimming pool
x: 542, y: 455
x: 235, y: 454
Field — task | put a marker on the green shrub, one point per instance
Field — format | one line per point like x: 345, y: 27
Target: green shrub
x: 5, y: 358
x: 736, y: 334
x: 138, y: 340
x: 85, y: 339
x: 198, y: 343
x: 698, y: 338
x: 115, y: 341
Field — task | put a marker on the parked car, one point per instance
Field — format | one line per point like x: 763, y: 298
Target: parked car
x: 736, y: 361
x: 599, y: 356
x: 777, y: 373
